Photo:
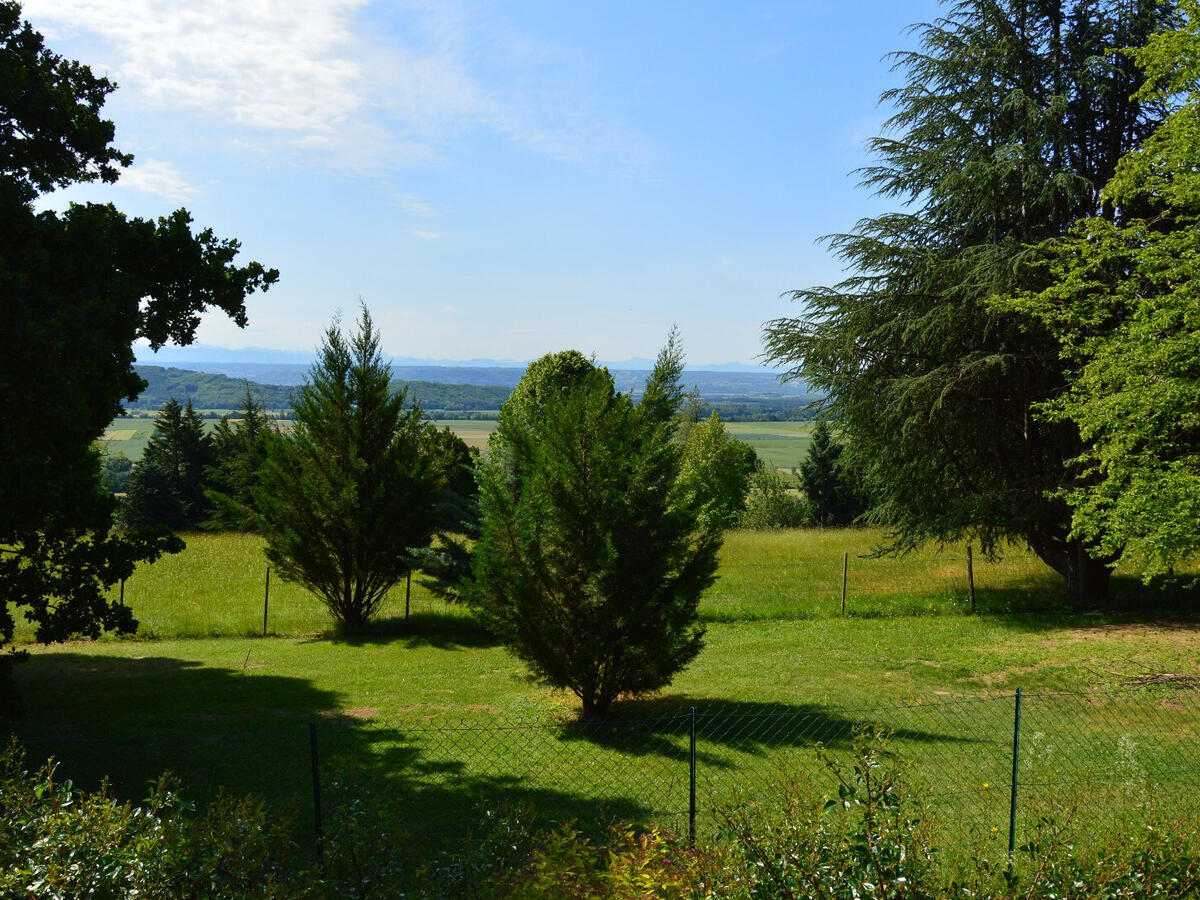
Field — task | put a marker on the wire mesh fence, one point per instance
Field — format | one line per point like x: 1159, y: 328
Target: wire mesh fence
x: 1101, y: 761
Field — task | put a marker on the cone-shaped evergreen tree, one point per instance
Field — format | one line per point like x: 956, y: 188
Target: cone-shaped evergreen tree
x: 591, y: 560
x: 1012, y: 115
x: 168, y: 484
x: 351, y: 488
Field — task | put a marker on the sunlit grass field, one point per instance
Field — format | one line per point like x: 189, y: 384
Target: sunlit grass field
x: 201, y: 693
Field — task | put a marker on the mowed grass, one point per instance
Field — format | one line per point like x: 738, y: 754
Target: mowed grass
x: 429, y: 711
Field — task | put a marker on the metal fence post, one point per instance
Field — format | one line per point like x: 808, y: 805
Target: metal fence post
x: 266, y: 597
x: 845, y: 572
x: 1012, y: 806
x: 971, y: 579
x: 692, y: 785
x: 316, y: 782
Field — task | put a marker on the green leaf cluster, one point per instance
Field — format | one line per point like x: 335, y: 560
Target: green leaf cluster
x: 79, y: 287
x: 1124, y: 307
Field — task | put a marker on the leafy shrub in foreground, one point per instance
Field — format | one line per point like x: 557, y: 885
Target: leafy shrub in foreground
x: 57, y: 841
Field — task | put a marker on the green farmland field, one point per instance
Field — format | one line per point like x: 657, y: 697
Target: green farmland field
x: 436, y: 717
x: 782, y: 444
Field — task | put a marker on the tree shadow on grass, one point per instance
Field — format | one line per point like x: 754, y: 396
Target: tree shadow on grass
x: 661, y: 727
x: 127, y: 720
x: 442, y: 631
x: 1159, y: 603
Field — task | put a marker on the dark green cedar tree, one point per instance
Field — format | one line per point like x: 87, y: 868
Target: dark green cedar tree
x: 168, y: 484
x: 831, y: 497
x: 1012, y: 115
x: 240, y: 452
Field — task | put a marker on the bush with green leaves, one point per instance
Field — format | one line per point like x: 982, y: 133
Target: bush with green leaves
x: 771, y: 503
x: 59, y: 841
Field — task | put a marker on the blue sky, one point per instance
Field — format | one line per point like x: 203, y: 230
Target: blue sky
x: 500, y: 179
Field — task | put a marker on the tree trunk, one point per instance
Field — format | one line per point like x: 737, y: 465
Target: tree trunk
x: 1087, y: 577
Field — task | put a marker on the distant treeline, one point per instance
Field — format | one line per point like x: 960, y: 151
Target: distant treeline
x: 220, y: 392
x: 206, y: 391
x: 209, y: 391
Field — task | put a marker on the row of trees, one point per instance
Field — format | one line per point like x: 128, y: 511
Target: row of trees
x: 1012, y: 356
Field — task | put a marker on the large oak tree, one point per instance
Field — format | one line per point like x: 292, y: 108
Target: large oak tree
x: 78, y: 288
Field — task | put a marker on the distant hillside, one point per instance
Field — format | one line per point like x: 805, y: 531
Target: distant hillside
x: 736, y: 396
x: 220, y: 392
x: 205, y: 389
x: 715, y: 385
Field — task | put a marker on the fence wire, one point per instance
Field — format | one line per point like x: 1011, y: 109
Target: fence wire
x: 1095, y: 762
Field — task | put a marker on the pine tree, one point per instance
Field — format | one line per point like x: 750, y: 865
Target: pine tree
x: 168, y: 484
x: 240, y: 453
x: 350, y: 491
x: 831, y: 497
x: 1012, y: 116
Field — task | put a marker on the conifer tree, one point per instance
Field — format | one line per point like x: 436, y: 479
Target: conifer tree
x: 1012, y: 115
x: 350, y: 490
x: 592, y: 560
x: 240, y: 453
x: 168, y: 484
x: 831, y: 497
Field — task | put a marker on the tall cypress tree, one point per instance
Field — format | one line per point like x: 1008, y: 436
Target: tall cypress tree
x: 1012, y: 115
x: 592, y: 556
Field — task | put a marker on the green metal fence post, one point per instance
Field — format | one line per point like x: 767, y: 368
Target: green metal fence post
x: 692, y: 790
x: 1012, y: 805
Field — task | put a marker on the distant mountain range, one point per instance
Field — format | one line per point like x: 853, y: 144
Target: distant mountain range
x: 205, y: 357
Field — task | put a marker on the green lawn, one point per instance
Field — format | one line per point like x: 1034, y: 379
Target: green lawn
x: 781, y: 663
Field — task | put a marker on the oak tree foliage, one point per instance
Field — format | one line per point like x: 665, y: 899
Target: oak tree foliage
x: 79, y: 287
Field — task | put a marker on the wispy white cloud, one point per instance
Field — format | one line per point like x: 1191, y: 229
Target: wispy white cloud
x: 415, y: 206
x: 153, y: 176
x: 368, y: 86
x: 425, y: 235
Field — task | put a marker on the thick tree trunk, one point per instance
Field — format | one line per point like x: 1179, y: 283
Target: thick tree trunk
x: 1087, y: 578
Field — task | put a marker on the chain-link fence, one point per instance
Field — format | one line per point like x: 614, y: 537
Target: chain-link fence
x: 985, y: 769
